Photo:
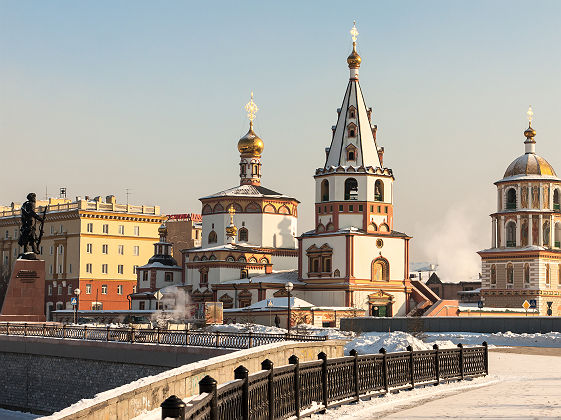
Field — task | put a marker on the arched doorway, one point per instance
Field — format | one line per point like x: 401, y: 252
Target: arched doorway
x: 380, y: 304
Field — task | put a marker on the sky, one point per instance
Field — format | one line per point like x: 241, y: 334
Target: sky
x: 104, y: 96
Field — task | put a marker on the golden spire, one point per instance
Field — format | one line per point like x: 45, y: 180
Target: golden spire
x: 530, y: 115
x: 231, y: 229
x: 232, y: 211
x: 354, y: 59
x: 251, y: 144
x: 530, y: 132
x: 251, y: 109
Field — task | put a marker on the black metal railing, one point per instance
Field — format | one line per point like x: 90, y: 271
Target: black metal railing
x: 151, y: 335
x: 287, y: 391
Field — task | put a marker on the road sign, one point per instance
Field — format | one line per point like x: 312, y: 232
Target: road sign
x: 480, y: 304
x: 526, y: 305
x: 533, y: 303
x: 158, y: 295
x: 73, y: 301
x: 269, y: 302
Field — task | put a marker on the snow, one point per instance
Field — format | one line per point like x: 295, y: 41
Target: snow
x: 369, y: 343
x: 551, y: 339
x: 16, y: 415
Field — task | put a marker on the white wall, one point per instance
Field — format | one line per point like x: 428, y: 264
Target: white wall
x: 365, y: 250
x: 284, y: 263
x: 338, y: 243
x: 160, y: 278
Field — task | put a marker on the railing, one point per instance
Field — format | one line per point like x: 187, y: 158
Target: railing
x: 511, y: 244
x: 510, y: 206
x: 152, y: 335
x: 287, y: 391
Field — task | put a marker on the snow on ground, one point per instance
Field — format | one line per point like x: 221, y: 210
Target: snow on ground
x: 372, y: 342
x: 551, y: 339
x: 16, y: 415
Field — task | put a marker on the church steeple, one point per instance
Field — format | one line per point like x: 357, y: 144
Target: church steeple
x: 250, y: 147
x: 354, y: 137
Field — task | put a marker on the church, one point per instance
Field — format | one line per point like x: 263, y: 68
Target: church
x: 524, y: 261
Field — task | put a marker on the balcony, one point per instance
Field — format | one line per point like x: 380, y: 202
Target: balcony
x: 510, y: 206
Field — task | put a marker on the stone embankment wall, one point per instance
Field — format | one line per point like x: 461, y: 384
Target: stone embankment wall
x: 131, y: 400
x: 44, y: 375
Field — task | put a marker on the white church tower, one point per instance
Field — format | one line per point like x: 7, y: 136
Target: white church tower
x: 354, y: 251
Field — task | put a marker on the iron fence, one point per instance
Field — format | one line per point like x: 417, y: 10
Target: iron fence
x: 151, y: 335
x: 287, y: 391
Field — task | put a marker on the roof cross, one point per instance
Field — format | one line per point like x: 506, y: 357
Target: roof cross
x: 354, y: 31
x: 251, y: 109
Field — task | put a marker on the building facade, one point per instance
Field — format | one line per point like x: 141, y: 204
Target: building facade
x: 524, y: 261
x: 184, y: 232
x: 95, y: 245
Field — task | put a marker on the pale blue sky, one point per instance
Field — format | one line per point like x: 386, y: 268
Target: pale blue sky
x: 149, y: 96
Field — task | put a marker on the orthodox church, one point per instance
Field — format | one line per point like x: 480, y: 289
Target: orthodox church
x: 524, y: 261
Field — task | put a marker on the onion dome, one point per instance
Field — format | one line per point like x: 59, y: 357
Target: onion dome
x: 250, y: 144
x: 354, y: 59
x: 529, y: 164
x: 163, y: 230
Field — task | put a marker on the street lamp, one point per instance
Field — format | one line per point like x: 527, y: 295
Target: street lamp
x: 77, y: 293
x: 288, y: 286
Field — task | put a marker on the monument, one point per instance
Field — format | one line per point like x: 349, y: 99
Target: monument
x: 25, y: 296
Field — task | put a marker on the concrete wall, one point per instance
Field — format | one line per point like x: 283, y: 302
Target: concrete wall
x: 48, y: 374
x: 131, y: 400
x: 530, y: 324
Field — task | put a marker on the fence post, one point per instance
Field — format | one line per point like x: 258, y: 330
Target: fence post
x: 25, y: 328
x: 354, y: 353
x: 411, y: 366
x: 173, y: 408
x: 43, y: 329
x: 437, y: 364
x: 7, y: 328
x: 250, y: 340
x: 385, y: 370
x: 208, y: 385
x: 186, y: 336
x: 242, y: 373
x: 293, y: 360
x: 63, y: 330
x: 268, y: 365
x: 217, y: 339
x: 461, y: 346
x: 323, y: 356
x: 486, y: 358
x: 107, y: 333
x: 158, y: 335
x: 132, y: 334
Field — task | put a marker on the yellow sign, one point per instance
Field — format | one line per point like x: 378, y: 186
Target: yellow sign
x: 526, y: 305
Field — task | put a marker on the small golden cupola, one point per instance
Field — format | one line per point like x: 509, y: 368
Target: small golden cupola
x: 250, y: 147
x: 354, y: 59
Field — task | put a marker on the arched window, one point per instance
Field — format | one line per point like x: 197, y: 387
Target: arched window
x: 372, y: 227
x: 284, y: 210
x: 351, y: 130
x: 264, y: 261
x: 269, y: 208
x: 351, y: 152
x: 242, y: 259
x: 557, y: 235
x: 230, y: 259
x: 546, y: 233
x: 253, y: 260
x: 352, y: 112
x: 511, y: 234
x: 320, y: 228
x: 379, y: 190
x: 556, y: 200
x: 330, y: 227
x: 212, y: 257
x: 547, y: 275
x: 212, y: 237
x: 526, y: 273
x: 380, y: 269
x: 325, y: 190
x: 218, y: 208
x: 509, y: 275
x: 524, y: 233
x: 493, y: 274
x: 351, y: 189
x: 511, y: 199
x: 252, y: 208
x: 384, y: 228
x: 243, y: 235
x: 207, y: 209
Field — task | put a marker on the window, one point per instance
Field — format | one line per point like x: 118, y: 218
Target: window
x: 203, y: 278
x: 340, y: 207
x: 121, y: 249
x: 351, y: 130
x: 121, y: 230
x: 511, y: 199
x: 352, y: 112
x: 380, y: 270
x: 325, y: 190
x: 511, y: 234
x: 105, y: 228
x: 244, y: 274
x: 70, y: 268
x: 351, y: 208
x: 134, y: 268
x: 88, y: 268
x: 546, y: 233
x: 103, y: 289
x: 69, y: 291
x: 136, y: 231
x: 52, y: 231
x: 60, y: 250
x: 97, y: 306
x: 556, y: 200
x: 212, y: 237
x: 51, y: 250
x: 509, y: 276
x: 379, y: 190
x: 351, y: 189
x: 168, y: 276
x: 386, y: 209
x: 51, y: 269
x: 61, y: 229
x: 89, y: 248
x: 360, y: 207
x: 105, y: 249
x: 351, y: 153
x: 59, y: 289
x: 60, y: 269
x: 134, y: 289
x: 120, y: 289
x: 141, y: 306
x: 145, y: 276
x: 547, y: 275
x: 136, y: 250
x: 50, y: 290
x: 243, y: 235
x: 493, y: 275
x: 319, y: 260
x: 120, y: 269
x: 89, y: 227
x: 526, y: 274
x: 88, y: 289
x: 104, y: 268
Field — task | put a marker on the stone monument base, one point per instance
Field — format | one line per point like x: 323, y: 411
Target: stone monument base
x: 25, y: 297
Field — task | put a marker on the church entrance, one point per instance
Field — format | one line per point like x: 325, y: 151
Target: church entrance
x: 380, y: 304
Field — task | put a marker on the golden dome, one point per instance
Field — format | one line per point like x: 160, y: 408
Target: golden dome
x: 163, y: 230
x: 251, y: 144
x: 529, y: 164
x: 530, y: 133
x: 354, y: 59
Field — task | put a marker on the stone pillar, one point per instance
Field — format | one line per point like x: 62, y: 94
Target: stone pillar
x: 540, y: 194
x: 540, y: 229
x: 530, y: 231
x: 551, y: 237
x: 518, y: 230
x: 518, y: 197
x: 503, y: 232
x: 493, y: 232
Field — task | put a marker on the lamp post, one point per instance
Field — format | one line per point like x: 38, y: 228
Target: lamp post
x: 288, y: 286
x: 77, y: 293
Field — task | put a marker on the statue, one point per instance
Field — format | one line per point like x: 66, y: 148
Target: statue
x: 28, y: 236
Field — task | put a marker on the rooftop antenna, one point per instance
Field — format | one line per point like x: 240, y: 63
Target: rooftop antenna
x: 46, y: 193
x: 128, y: 192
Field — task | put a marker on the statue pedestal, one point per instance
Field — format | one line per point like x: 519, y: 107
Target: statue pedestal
x: 25, y: 297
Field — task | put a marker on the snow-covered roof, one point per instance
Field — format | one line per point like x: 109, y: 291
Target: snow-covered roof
x: 525, y: 248
x: 160, y: 265
x: 282, y: 303
x: 355, y: 230
x: 248, y: 191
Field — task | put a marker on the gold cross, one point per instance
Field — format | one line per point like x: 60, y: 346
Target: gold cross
x: 530, y: 114
x: 231, y: 210
x: 251, y: 109
x: 354, y: 32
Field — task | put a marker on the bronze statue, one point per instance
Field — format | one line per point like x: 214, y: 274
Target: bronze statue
x: 28, y: 236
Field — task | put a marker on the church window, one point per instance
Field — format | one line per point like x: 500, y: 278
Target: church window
x: 509, y: 275
x: 379, y: 209
x: 557, y: 235
x: 547, y: 275
x: 371, y: 209
x: 320, y: 228
x: 511, y: 199
x: 326, y: 265
x: 325, y: 209
x: 242, y: 259
x: 284, y: 210
x: 351, y: 208
x: 319, y: 209
x: 244, y: 298
x: 207, y: 209
x: 218, y: 208
x: 556, y: 200
x: 493, y: 275
x: 546, y: 233
x: 244, y: 274
x: 351, y: 155
x: 372, y: 227
x: 340, y: 207
x: 203, y: 279
x: 264, y: 261
x: 315, y: 265
x: 243, y: 235
x: 212, y: 237
x: 319, y: 260
x: 384, y: 228
x: 253, y: 260
x: 325, y: 190
x: 386, y: 209
x: 351, y: 189
x: 227, y: 301
x: 269, y: 208
x: 230, y: 259
x: 360, y: 207
x: 511, y: 234
x: 379, y: 190
x: 380, y: 269
x: 252, y: 208
x: 526, y: 274
x: 352, y: 112
x: 351, y: 130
